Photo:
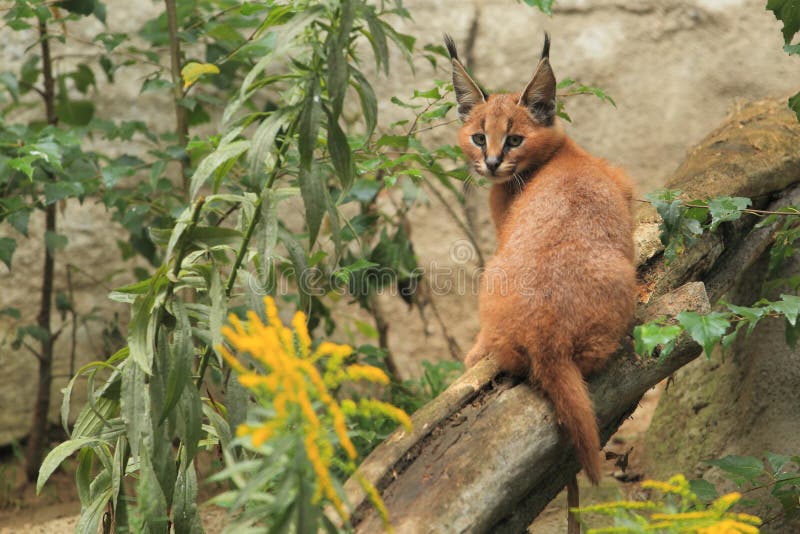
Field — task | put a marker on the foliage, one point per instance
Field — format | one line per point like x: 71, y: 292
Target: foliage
x: 678, y: 508
x: 682, y: 222
x: 301, y: 427
x: 227, y: 236
x: 788, y: 12
x: 777, y: 479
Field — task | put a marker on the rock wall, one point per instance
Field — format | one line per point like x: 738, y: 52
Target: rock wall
x: 673, y: 67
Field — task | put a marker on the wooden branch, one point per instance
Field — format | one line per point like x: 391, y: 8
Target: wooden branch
x: 487, y: 454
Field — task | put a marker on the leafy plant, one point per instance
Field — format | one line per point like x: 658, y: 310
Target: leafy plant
x: 674, y: 508
x: 788, y: 12
x: 300, y: 431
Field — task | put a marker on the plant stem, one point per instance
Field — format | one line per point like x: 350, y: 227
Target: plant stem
x: 204, y: 359
x: 36, y: 436
x: 181, y: 113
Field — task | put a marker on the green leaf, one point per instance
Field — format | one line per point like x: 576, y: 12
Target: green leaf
x: 340, y: 153
x: 75, y: 112
x: 788, y: 12
x: 267, y: 235
x: 791, y: 332
x: 377, y: 38
x: 210, y: 163
x: 308, y: 123
x: 7, y: 248
x: 650, y: 335
x: 704, y: 489
x: 369, y: 103
x: 55, y: 191
x: 134, y: 403
x: 80, y: 7
x: 313, y: 192
x: 545, y: 6
x: 724, y: 209
x: 181, y: 354
x: 91, y: 515
x: 794, y: 104
x: 776, y: 461
x: 24, y: 164
x: 788, y: 306
x: 83, y: 474
x: 750, y: 315
x: 152, y: 502
x: 141, y: 331
x: 297, y: 255
x: 54, y: 241
x: 707, y: 329
x: 184, y: 501
x: 741, y: 468
x: 192, y: 71
x: 190, y: 420
x: 338, y: 69
x: 59, y: 454
x: 263, y: 142
x: 216, y: 315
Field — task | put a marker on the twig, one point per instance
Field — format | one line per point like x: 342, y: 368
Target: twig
x: 181, y: 113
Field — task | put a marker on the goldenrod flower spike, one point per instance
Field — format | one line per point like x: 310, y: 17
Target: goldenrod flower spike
x: 287, y: 377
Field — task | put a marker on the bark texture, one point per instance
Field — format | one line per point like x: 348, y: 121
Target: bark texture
x: 487, y: 455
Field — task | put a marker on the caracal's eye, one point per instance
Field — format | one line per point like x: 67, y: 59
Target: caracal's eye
x: 514, y: 140
x: 479, y: 139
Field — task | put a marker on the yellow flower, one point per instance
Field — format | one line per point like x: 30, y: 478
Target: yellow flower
x: 286, y: 377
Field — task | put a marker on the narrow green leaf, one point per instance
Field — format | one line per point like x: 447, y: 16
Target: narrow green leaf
x: 219, y: 308
x: 152, y: 503
x: 369, y: 103
x: 313, y: 192
x: 210, y: 163
x: 308, y: 123
x: 181, y: 353
x: 267, y: 235
x: 89, y: 521
x: 134, y: 403
x: 377, y: 38
x: 141, y: 332
x: 297, y: 255
x: 263, y: 142
x: 340, y: 153
x: 338, y: 68
x: 83, y: 474
x: 184, y: 502
x: 190, y: 420
x: 59, y: 454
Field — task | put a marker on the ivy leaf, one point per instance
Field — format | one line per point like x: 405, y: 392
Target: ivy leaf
x: 704, y: 490
x: 24, y: 164
x: 54, y: 241
x: 650, y: 335
x: 789, y: 306
x: 788, y: 12
x: 192, y: 71
x: 545, y: 6
x: 7, y: 247
x: 794, y: 103
x: 724, y: 209
x: 750, y: 315
x: 741, y: 468
x: 707, y: 329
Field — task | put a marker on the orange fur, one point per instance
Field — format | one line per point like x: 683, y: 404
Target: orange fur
x: 559, y: 293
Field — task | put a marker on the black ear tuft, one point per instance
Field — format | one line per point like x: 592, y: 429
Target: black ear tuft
x: 539, y: 96
x: 468, y: 92
x: 546, y: 47
x: 451, y: 46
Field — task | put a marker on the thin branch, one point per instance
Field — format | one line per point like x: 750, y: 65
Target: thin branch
x: 181, y: 113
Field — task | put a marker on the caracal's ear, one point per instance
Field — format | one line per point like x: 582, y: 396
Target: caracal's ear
x: 468, y: 93
x: 539, y: 95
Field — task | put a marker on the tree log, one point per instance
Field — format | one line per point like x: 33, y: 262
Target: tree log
x: 487, y: 455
